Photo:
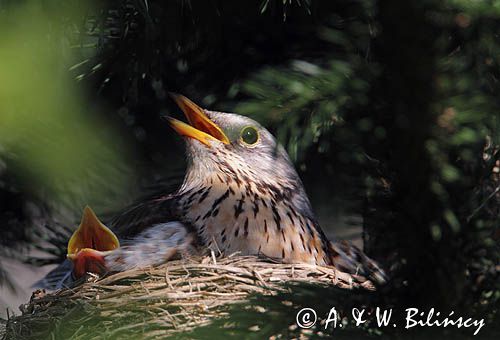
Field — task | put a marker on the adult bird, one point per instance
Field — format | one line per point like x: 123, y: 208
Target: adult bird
x: 240, y: 194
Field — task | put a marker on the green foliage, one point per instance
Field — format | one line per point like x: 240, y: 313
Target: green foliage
x: 49, y: 136
x: 306, y: 101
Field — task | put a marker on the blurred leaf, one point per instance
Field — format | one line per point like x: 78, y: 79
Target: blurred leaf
x: 49, y: 135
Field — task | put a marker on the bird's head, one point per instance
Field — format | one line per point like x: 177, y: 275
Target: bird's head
x: 236, y: 149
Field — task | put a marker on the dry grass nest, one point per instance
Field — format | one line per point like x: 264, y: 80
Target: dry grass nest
x: 171, y: 298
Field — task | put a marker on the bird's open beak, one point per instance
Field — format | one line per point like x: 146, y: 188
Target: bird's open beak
x: 200, y: 127
x: 89, y: 243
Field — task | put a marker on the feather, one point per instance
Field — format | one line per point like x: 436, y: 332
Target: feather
x: 59, y: 277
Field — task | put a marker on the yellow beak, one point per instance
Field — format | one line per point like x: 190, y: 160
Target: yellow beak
x: 200, y: 127
x: 91, y: 234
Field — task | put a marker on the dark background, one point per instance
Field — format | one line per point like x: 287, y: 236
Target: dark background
x: 389, y: 110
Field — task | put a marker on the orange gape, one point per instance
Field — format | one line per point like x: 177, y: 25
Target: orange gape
x: 88, y: 261
x: 89, y: 243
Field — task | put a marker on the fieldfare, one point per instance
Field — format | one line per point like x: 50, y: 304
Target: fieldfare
x: 240, y: 194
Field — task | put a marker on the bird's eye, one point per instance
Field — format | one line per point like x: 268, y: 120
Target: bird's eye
x: 249, y: 135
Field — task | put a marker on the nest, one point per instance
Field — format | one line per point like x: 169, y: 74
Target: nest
x: 172, y: 298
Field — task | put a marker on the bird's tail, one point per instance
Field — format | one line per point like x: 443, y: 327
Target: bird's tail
x: 350, y: 259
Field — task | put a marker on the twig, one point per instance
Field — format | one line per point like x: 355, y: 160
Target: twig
x: 481, y: 206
